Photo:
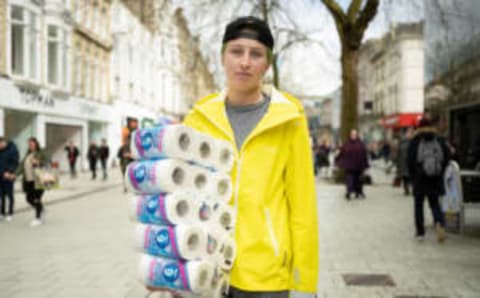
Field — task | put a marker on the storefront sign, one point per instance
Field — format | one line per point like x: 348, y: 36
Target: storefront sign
x: 36, y: 96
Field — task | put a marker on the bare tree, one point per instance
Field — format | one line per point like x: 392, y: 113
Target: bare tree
x: 351, y: 26
x: 286, y: 31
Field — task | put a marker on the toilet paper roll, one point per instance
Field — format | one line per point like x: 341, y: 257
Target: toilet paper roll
x: 151, y: 177
x: 220, y: 186
x: 182, y: 241
x: 224, y: 216
x: 174, y: 208
x: 223, y: 155
x: 220, y: 285
x: 164, y: 141
x: 191, y: 276
x: 227, y: 252
x: 214, y: 243
x: 203, y: 151
x: 206, y: 212
x: 200, y: 178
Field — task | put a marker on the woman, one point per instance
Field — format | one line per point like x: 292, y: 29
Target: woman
x: 353, y: 159
x: 34, y: 158
x: 276, y: 232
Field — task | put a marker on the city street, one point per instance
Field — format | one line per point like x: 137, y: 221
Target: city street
x: 85, y: 247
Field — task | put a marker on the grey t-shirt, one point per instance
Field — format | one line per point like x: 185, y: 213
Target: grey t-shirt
x: 243, y: 119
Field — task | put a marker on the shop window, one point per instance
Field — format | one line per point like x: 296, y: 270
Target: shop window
x: 24, y: 41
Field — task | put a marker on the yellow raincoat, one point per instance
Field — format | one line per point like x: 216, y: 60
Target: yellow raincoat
x: 277, y: 230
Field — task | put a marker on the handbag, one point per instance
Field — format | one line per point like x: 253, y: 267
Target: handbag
x: 397, y: 181
x: 46, y: 178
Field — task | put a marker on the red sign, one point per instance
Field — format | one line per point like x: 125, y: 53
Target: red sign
x: 401, y: 120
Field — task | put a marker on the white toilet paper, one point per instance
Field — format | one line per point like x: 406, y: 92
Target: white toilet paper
x: 204, y: 150
x: 151, y: 177
x: 219, y: 286
x: 214, y: 243
x: 227, y: 252
x: 191, y: 276
x: 200, y: 178
x: 223, y: 156
x: 220, y: 186
x: 165, y: 141
x: 224, y: 216
x: 181, y: 241
x: 206, y: 212
x: 173, y: 208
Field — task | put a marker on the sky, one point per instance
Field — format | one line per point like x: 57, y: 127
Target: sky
x: 308, y: 69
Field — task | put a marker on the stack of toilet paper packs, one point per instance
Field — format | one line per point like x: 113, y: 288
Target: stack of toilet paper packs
x: 182, y: 188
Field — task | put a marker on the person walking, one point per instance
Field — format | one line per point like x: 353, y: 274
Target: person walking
x: 92, y: 156
x: 401, y: 160
x: 34, y: 158
x: 353, y: 159
x: 104, y: 153
x: 8, y: 166
x: 428, y: 157
x: 72, y: 155
x: 125, y: 156
x: 323, y: 154
x: 277, y: 230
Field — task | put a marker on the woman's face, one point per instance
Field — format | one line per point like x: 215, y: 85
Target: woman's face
x: 31, y: 146
x: 245, y: 62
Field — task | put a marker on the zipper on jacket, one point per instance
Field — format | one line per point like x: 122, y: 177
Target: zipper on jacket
x: 271, y: 232
x: 237, y: 185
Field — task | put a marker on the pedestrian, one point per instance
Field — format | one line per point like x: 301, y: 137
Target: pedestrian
x: 125, y: 156
x: 277, y: 231
x: 92, y: 156
x: 34, y: 158
x: 72, y: 155
x: 353, y: 159
x: 323, y: 154
x: 104, y: 153
x: 385, y: 151
x: 428, y: 157
x: 8, y: 166
x: 401, y: 160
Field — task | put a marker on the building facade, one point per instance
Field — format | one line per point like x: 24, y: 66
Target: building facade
x: 452, y: 73
x: 391, y: 81
x: 83, y: 70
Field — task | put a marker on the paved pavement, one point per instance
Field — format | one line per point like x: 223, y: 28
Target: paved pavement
x: 85, y: 247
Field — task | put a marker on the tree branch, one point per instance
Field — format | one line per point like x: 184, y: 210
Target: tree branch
x: 366, y: 15
x: 336, y: 11
x: 353, y: 10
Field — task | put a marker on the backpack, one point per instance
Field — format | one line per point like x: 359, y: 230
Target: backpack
x: 430, y: 157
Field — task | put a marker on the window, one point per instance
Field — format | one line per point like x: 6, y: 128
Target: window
x: 24, y: 41
x: 57, y: 55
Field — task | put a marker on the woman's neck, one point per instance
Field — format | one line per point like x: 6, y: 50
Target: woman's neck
x: 243, y: 98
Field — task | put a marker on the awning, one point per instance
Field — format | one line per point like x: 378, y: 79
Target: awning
x: 401, y: 120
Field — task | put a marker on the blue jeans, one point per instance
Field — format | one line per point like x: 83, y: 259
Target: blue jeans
x: 437, y: 213
x: 6, y: 192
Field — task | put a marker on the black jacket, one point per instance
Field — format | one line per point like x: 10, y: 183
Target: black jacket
x: 421, y: 183
x: 104, y: 152
x: 9, y: 159
x: 93, y: 153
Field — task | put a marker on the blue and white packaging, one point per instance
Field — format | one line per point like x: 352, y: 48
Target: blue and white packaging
x: 158, y: 176
x: 191, y: 276
x: 182, y: 241
x: 173, y: 208
x: 165, y: 141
